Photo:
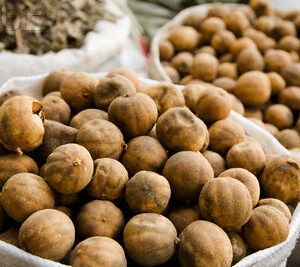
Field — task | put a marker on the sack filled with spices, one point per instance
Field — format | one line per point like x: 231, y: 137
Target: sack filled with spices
x: 90, y: 35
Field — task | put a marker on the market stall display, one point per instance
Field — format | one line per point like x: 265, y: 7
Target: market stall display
x: 199, y: 167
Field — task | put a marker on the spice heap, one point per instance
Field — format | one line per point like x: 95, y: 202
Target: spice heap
x: 252, y: 52
x: 40, y: 26
x: 130, y: 168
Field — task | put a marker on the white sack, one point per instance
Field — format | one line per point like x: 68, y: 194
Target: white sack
x: 11, y: 256
x: 109, y: 46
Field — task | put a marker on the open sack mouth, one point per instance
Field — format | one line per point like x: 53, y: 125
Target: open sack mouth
x: 134, y: 158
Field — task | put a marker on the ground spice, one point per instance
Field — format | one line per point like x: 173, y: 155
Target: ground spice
x: 39, y: 26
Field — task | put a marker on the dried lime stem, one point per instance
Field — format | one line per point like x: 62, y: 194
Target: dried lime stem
x: 19, y: 151
x: 77, y: 162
